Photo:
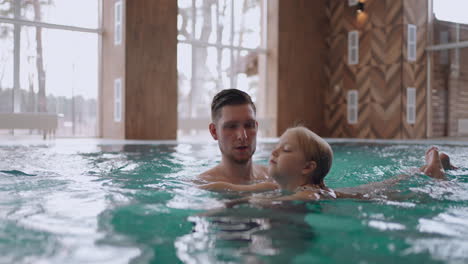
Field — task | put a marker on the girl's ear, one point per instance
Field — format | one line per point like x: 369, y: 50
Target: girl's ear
x: 309, y: 167
x: 213, y: 131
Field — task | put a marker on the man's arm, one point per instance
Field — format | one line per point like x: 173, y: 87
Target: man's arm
x: 225, y: 186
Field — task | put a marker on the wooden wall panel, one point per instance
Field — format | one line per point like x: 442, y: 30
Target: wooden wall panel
x: 151, y: 70
x: 335, y: 13
x: 349, y: 78
x: 386, y: 122
x: 414, y: 75
x: 377, y: 12
x: 365, y: 49
x: 379, y: 90
x: 415, y: 12
x: 363, y: 83
x: 363, y: 129
x: 393, y: 12
x: 378, y: 46
x: 394, y: 44
x: 335, y: 92
x: 378, y: 76
x: 113, y: 66
x: 302, y: 52
x: 335, y: 114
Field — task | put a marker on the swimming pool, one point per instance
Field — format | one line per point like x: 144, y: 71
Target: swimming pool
x: 87, y: 201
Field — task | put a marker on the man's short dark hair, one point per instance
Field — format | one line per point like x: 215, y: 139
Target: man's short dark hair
x: 229, y: 97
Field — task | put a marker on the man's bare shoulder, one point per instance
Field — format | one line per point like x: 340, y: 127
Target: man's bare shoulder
x: 211, y: 175
x: 261, y: 172
x: 216, y: 174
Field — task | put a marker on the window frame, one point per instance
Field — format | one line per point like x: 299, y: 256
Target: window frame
x: 194, y: 43
x: 18, y: 22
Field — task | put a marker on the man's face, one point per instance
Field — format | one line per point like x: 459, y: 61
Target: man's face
x: 236, y: 132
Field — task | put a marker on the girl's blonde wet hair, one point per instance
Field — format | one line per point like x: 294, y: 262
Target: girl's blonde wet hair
x: 315, y: 149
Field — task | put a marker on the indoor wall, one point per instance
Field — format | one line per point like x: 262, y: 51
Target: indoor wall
x: 383, y: 73
x: 307, y: 68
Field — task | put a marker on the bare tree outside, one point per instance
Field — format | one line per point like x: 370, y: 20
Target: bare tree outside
x: 41, y: 74
x: 219, y: 51
x: 36, y: 75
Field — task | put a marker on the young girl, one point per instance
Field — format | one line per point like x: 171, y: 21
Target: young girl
x: 298, y: 164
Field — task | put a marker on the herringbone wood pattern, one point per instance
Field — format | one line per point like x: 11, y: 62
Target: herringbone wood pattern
x: 382, y: 75
x: 414, y: 75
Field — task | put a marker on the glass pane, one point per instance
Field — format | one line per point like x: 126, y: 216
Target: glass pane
x: 449, y: 32
x: 7, y: 8
x: 449, y: 97
x: 83, y: 13
x: 185, y: 19
x: 184, y: 71
x: 6, y: 68
x: 205, y: 69
x: 451, y: 10
x: 204, y: 81
x: 225, y: 21
x: 463, y: 31
x: 225, y: 70
x: 70, y: 77
x: 205, y: 21
x: 247, y: 21
x: 245, y: 72
x: 451, y: 22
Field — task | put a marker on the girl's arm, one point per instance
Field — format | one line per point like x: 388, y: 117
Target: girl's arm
x: 298, y: 196
x: 226, y: 186
x: 363, y: 191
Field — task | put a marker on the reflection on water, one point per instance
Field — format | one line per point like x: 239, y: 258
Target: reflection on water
x: 247, y: 235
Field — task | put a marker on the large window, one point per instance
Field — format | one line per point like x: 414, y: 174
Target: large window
x: 221, y: 44
x: 448, y: 60
x: 6, y: 67
x: 49, y: 62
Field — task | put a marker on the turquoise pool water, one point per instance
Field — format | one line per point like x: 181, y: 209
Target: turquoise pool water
x: 91, y: 202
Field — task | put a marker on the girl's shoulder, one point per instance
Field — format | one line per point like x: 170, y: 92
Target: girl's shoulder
x: 310, y: 192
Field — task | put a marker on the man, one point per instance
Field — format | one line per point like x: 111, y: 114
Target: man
x: 234, y: 126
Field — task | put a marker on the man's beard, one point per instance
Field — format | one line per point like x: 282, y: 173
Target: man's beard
x: 240, y: 161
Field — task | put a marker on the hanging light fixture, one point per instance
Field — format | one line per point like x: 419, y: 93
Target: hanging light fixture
x: 360, y: 7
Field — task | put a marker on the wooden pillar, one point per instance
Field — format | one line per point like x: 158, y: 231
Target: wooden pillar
x: 415, y: 72
x: 301, y: 54
x: 113, y: 68
x: 146, y: 62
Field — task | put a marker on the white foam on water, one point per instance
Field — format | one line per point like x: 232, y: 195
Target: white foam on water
x: 381, y: 225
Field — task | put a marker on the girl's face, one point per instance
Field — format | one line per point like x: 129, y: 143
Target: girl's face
x: 288, y: 163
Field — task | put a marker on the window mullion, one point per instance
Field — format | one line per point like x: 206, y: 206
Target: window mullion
x: 232, y: 44
x: 16, y: 58
x: 219, y: 36
x: 192, y: 80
